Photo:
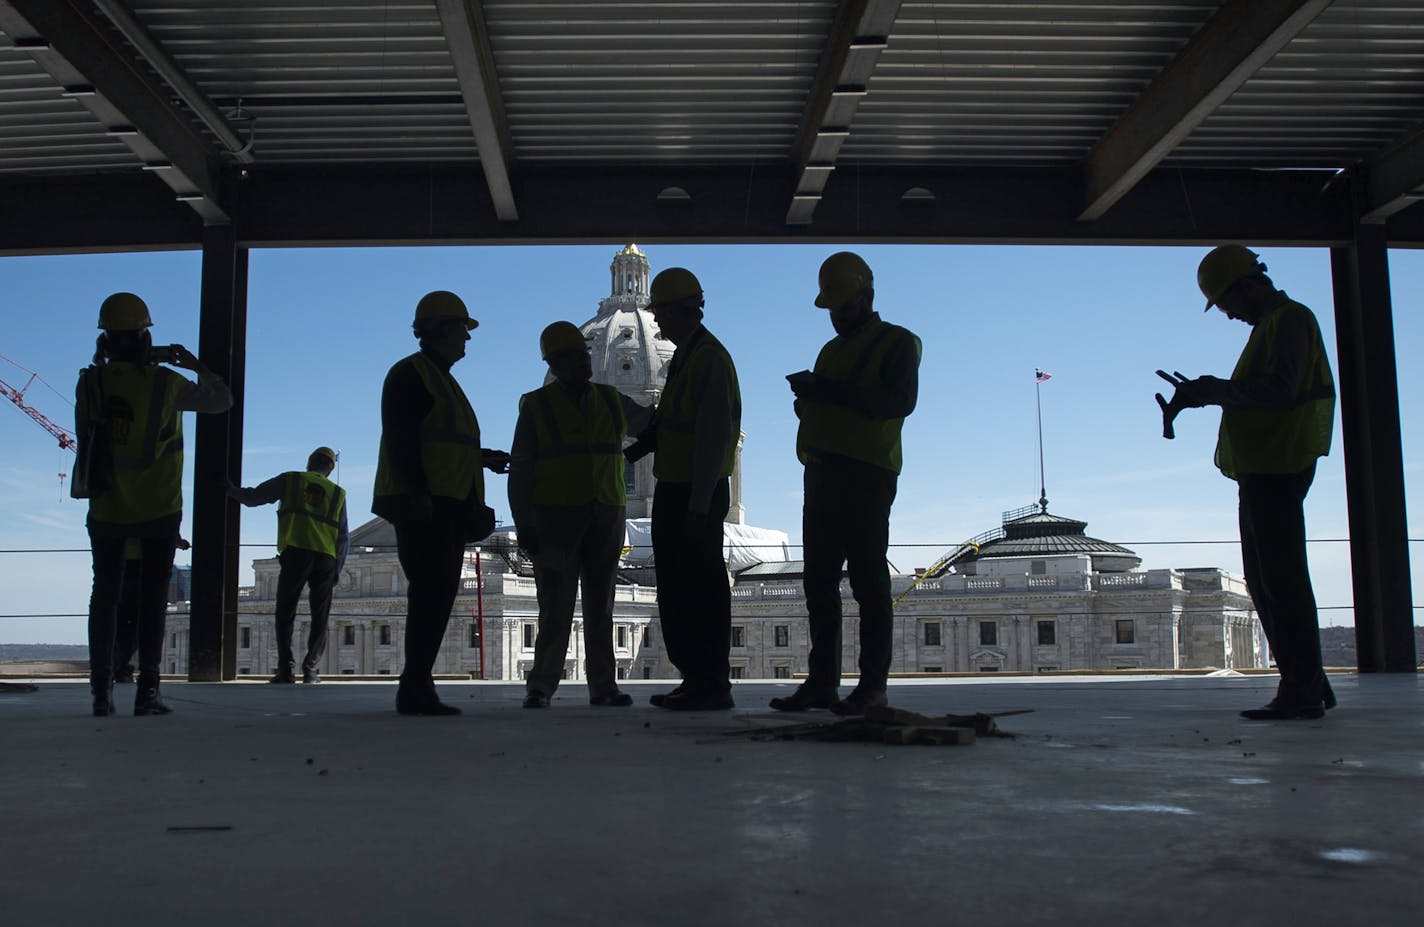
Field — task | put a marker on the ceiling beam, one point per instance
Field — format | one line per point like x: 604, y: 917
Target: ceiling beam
x: 858, y: 35
x: 467, y: 37
x: 1395, y: 179
x: 100, y: 73
x: 1238, y: 39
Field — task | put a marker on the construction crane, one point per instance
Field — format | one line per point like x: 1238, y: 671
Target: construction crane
x: 63, y: 435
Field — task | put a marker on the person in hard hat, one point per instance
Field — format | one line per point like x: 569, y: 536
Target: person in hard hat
x: 852, y: 407
x: 698, y: 424
x: 430, y: 486
x: 567, y: 496
x: 311, y: 547
x: 1277, y: 413
x: 135, y: 405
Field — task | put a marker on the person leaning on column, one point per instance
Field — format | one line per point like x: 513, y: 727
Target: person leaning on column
x: 430, y: 486
x: 311, y: 548
x: 697, y: 424
x: 852, y: 408
x: 138, y: 404
x: 568, y: 498
x: 1277, y: 414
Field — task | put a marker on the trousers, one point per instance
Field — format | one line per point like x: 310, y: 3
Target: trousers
x: 316, y: 571
x: 694, y: 597
x: 577, y: 545
x: 431, y: 554
x: 845, y: 519
x: 155, y: 567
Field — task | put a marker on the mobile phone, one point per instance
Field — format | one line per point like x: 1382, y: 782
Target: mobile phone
x: 161, y: 354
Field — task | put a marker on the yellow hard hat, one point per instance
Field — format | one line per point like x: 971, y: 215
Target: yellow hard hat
x: 442, y: 304
x: 124, y: 312
x: 326, y: 452
x: 674, y: 285
x: 843, y: 275
x: 561, y: 336
x: 1222, y: 267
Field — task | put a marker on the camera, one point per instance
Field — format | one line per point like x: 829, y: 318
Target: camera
x: 162, y: 354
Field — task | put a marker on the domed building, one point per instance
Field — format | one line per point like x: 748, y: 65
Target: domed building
x: 1033, y: 532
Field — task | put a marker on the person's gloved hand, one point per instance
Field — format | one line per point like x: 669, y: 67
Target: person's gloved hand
x: 494, y: 461
x: 233, y: 489
x: 806, y: 385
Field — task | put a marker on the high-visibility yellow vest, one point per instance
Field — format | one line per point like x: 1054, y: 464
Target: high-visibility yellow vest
x: 309, y: 515
x: 834, y: 429
x: 449, y: 441
x: 146, y: 436
x: 676, y: 415
x: 577, y: 460
x: 1286, y: 441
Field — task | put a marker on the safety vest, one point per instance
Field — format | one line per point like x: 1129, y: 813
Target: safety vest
x: 677, y: 416
x: 139, y: 402
x: 1283, y: 441
x: 309, y: 515
x: 577, y: 459
x: 449, y: 441
x: 833, y: 429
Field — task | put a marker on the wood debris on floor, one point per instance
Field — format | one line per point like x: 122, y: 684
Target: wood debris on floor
x: 885, y: 725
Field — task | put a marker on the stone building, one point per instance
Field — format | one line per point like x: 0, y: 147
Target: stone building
x: 1035, y: 595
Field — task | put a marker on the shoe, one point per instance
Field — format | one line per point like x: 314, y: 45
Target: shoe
x: 616, y: 698
x: 690, y: 701
x: 148, y: 703
x: 860, y: 699
x: 124, y: 675
x: 104, y: 704
x: 658, y: 699
x: 806, y: 696
x: 426, y: 703
x: 310, y: 677
x: 1275, y: 712
x: 536, y: 700
x: 283, y: 677
x: 1329, y: 697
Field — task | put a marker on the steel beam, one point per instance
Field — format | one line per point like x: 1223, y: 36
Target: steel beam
x: 99, y: 72
x: 467, y: 37
x: 1396, y: 178
x: 1237, y: 40
x: 212, y: 651
x: 858, y: 34
x: 1374, y: 460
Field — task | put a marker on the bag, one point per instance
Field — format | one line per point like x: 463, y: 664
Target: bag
x: 94, y: 458
x: 480, y: 523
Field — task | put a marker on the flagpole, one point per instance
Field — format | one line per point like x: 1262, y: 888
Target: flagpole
x: 1038, y: 402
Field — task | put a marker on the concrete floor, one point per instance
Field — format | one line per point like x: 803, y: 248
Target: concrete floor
x: 1123, y: 801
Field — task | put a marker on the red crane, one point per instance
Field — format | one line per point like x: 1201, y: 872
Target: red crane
x: 17, y: 396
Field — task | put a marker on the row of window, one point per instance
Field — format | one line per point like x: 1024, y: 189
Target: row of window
x: 620, y: 635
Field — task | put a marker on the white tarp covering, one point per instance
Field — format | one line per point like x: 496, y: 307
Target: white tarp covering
x: 742, y: 545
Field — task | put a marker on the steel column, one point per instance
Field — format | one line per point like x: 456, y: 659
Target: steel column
x: 212, y: 651
x: 1374, y: 462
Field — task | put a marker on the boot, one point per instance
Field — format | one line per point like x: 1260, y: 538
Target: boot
x: 147, y: 701
x: 103, y: 698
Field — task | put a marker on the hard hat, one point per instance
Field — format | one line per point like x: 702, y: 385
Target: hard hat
x: 842, y: 276
x: 326, y: 452
x: 442, y: 304
x: 1222, y: 267
x: 124, y: 312
x: 561, y: 336
x: 674, y: 285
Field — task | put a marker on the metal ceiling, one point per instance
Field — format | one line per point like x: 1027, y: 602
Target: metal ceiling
x: 471, y: 120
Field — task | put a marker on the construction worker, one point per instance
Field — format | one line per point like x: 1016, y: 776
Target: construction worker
x: 1277, y: 412
x: 429, y: 485
x: 136, y: 406
x: 311, y: 548
x: 698, y: 423
x: 567, y: 496
x: 852, y: 407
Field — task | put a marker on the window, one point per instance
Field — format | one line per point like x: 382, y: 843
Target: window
x: 348, y: 634
x: 1048, y: 669
x: 622, y: 672
x: 244, y: 636
x: 781, y: 634
x: 988, y: 669
x: 173, y: 640
x: 474, y: 634
x: 621, y: 634
x: 1126, y: 631
x: 348, y: 672
x: 932, y: 634
x: 647, y: 672
x: 739, y: 635
x: 528, y: 635
x: 630, y: 479
x: 988, y: 633
x: 384, y: 634
x: 1047, y: 633
x: 244, y: 671
x: 781, y: 672
x: 383, y: 672
x: 737, y: 672
x: 933, y: 669
x: 647, y: 636
x: 1037, y: 567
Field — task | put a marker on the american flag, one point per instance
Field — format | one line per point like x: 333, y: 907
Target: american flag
x: 1039, y: 376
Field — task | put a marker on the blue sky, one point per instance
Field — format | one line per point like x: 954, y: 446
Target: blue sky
x: 326, y: 324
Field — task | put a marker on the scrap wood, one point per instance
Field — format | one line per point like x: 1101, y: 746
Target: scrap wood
x: 885, y: 725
